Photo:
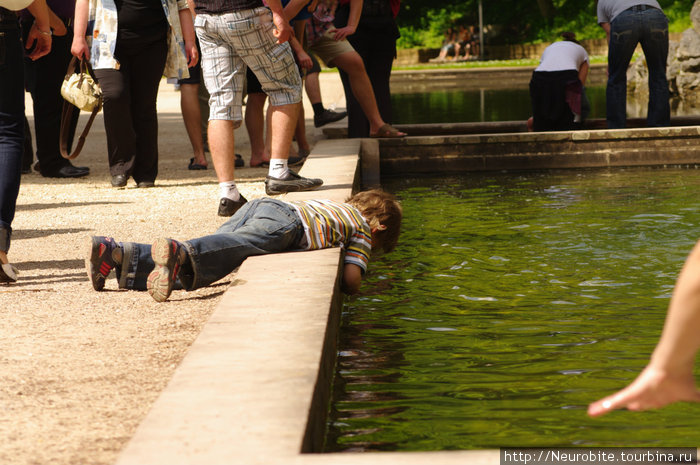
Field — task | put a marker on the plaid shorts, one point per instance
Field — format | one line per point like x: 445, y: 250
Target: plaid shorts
x: 233, y: 41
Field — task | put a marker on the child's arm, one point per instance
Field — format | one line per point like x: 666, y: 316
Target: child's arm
x: 669, y: 376
x: 303, y: 57
x: 352, y: 278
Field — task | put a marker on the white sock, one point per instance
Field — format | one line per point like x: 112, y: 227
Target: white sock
x: 278, y: 168
x: 229, y: 190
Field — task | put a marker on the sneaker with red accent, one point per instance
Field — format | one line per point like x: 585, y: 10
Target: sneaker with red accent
x: 168, y: 255
x: 101, y: 260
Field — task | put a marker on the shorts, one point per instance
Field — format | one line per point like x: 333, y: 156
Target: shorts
x: 328, y: 49
x: 252, y: 84
x: 233, y: 41
x: 316, y: 67
x: 195, y: 71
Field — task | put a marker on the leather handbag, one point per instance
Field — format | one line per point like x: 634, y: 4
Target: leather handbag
x: 79, y: 89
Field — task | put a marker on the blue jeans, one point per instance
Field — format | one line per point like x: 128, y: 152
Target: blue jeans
x: 648, y: 27
x: 262, y: 226
x: 11, y: 126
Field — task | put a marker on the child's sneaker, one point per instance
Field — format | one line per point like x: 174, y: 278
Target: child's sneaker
x: 100, y: 260
x: 168, y: 256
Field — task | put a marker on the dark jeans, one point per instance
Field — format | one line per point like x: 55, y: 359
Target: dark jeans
x: 43, y: 79
x: 131, y: 120
x: 260, y: 227
x: 11, y: 126
x: 648, y: 27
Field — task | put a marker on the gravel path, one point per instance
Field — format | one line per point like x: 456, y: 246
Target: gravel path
x: 79, y: 369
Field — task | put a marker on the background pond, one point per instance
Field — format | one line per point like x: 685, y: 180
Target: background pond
x: 513, y: 301
x: 451, y: 106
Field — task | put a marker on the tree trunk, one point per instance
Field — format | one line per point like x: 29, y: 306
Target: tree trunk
x: 547, y: 9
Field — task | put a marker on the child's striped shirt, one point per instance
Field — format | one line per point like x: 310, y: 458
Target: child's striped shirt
x: 333, y: 224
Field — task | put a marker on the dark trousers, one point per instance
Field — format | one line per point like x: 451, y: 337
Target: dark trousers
x: 378, y: 50
x: 43, y: 79
x: 11, y: 126
x: 131, y: 120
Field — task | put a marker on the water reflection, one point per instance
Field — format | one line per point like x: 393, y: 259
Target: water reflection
x: 452, y: 106
x: 511, y: 302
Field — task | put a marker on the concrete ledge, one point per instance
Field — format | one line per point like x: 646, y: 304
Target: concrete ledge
x: 253, y: 388
x: 524, y: 151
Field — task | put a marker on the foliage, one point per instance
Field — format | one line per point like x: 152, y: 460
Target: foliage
x: 423, y: 22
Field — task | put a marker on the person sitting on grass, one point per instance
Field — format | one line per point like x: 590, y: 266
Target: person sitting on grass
x: 367, y: 221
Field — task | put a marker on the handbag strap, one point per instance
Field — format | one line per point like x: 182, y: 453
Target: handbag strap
x: 67, y: 114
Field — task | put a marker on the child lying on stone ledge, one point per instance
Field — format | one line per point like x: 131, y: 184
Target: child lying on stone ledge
x: 367, y: 221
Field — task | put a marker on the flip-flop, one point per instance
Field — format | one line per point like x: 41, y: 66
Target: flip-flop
x: 195, y: 166
x: 239, y: 163
x: 388, y: 131
x: 262, y: 164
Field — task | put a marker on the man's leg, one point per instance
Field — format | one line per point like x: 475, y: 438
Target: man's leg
x: 624, y: 36
x: 655, y: 46
x: 223, y: 72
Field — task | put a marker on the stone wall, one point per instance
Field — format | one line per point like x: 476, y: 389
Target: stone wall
x: 683, y: 70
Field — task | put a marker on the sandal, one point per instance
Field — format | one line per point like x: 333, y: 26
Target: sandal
x: 262, y: 164
x: 239, y: 163
x: 388, y: 131
x: 195, y: 166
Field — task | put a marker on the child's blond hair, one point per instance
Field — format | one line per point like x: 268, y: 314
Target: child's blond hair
x: 383, y: 214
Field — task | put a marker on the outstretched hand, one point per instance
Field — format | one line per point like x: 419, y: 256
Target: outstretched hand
x: 653, y: 388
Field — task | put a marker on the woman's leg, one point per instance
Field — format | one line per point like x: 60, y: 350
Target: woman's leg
x: 121, y: 137
x: 144, y: 79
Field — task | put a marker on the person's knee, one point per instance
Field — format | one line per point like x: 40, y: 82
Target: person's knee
x: 350, y: 62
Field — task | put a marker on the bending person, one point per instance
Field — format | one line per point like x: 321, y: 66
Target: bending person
x: 669, y: 376
x: 556, y: 89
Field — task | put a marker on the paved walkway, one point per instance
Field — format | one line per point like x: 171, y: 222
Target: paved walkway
x: 80, y: 369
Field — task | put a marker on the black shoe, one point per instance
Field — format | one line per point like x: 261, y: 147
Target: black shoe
x: 68, y: 171
x: 100, y: 260
x: 146, y: 184
x: 291, y: 182
x: 228, y: 207
x: 296, y: 161
x: 119, y: 180
x: 328, y: 116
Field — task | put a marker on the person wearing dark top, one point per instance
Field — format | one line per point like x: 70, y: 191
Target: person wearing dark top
x: 43, y: 79
x: 131, y: 44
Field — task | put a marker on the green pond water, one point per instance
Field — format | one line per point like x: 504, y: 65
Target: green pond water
x: 449, y: 106
x: 511, y: 303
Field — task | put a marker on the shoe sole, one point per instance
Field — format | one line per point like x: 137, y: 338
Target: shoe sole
x: 159, y: 283
x: 283, y: 189
x: 332, y: 120
x: 97, y: 278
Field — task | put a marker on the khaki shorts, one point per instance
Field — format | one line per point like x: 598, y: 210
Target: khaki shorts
x: 328, y: 49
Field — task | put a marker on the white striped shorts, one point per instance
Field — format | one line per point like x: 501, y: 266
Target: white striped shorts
x: 233, y: 41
